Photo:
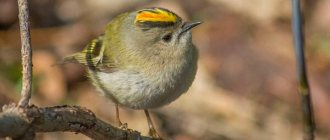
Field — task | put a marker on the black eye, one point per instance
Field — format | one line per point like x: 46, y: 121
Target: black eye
x: 167, y: 38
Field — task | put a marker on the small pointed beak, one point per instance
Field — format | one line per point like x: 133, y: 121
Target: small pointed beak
x: 188, y: 26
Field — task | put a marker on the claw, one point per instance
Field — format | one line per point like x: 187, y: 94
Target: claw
x: 123, y: 126
x: 152, y: 131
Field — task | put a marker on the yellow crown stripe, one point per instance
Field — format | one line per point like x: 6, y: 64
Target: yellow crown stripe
x: 155, y: 15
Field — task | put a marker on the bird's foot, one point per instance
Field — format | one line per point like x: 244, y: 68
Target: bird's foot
x: 122, y: 126
x: 153, y: 133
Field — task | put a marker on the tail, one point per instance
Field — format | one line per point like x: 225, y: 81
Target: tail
x: 74, y: 58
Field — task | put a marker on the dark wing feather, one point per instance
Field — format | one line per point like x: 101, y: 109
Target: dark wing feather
x: 92, y: 56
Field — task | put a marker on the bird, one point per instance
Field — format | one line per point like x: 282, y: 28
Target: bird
x: 144, y: 60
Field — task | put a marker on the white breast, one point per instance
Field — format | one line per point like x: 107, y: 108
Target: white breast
x: 138, y: 91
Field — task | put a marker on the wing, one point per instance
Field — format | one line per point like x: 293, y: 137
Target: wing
x: 92, y: 56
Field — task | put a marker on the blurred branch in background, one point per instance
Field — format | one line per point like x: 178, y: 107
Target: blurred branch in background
x: 303, y: 86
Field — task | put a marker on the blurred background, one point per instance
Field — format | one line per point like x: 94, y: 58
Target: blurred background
x: 245, y: 88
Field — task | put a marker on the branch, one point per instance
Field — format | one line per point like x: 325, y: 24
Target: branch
x: 59, y: 118
x: 301, y: 70
x: 26, y: 52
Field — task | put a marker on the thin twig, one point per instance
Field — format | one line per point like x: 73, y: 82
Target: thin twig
x: 304, y: 90
x: 26, y: 52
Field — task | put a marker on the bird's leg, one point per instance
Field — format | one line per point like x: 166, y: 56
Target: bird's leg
x: 119, y: 123
x: 152, y: 131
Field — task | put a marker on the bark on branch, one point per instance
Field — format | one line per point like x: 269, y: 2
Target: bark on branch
x: 26, y: 52
x: 21, y: 123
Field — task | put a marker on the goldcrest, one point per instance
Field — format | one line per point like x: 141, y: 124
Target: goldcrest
x: 144, y: 60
